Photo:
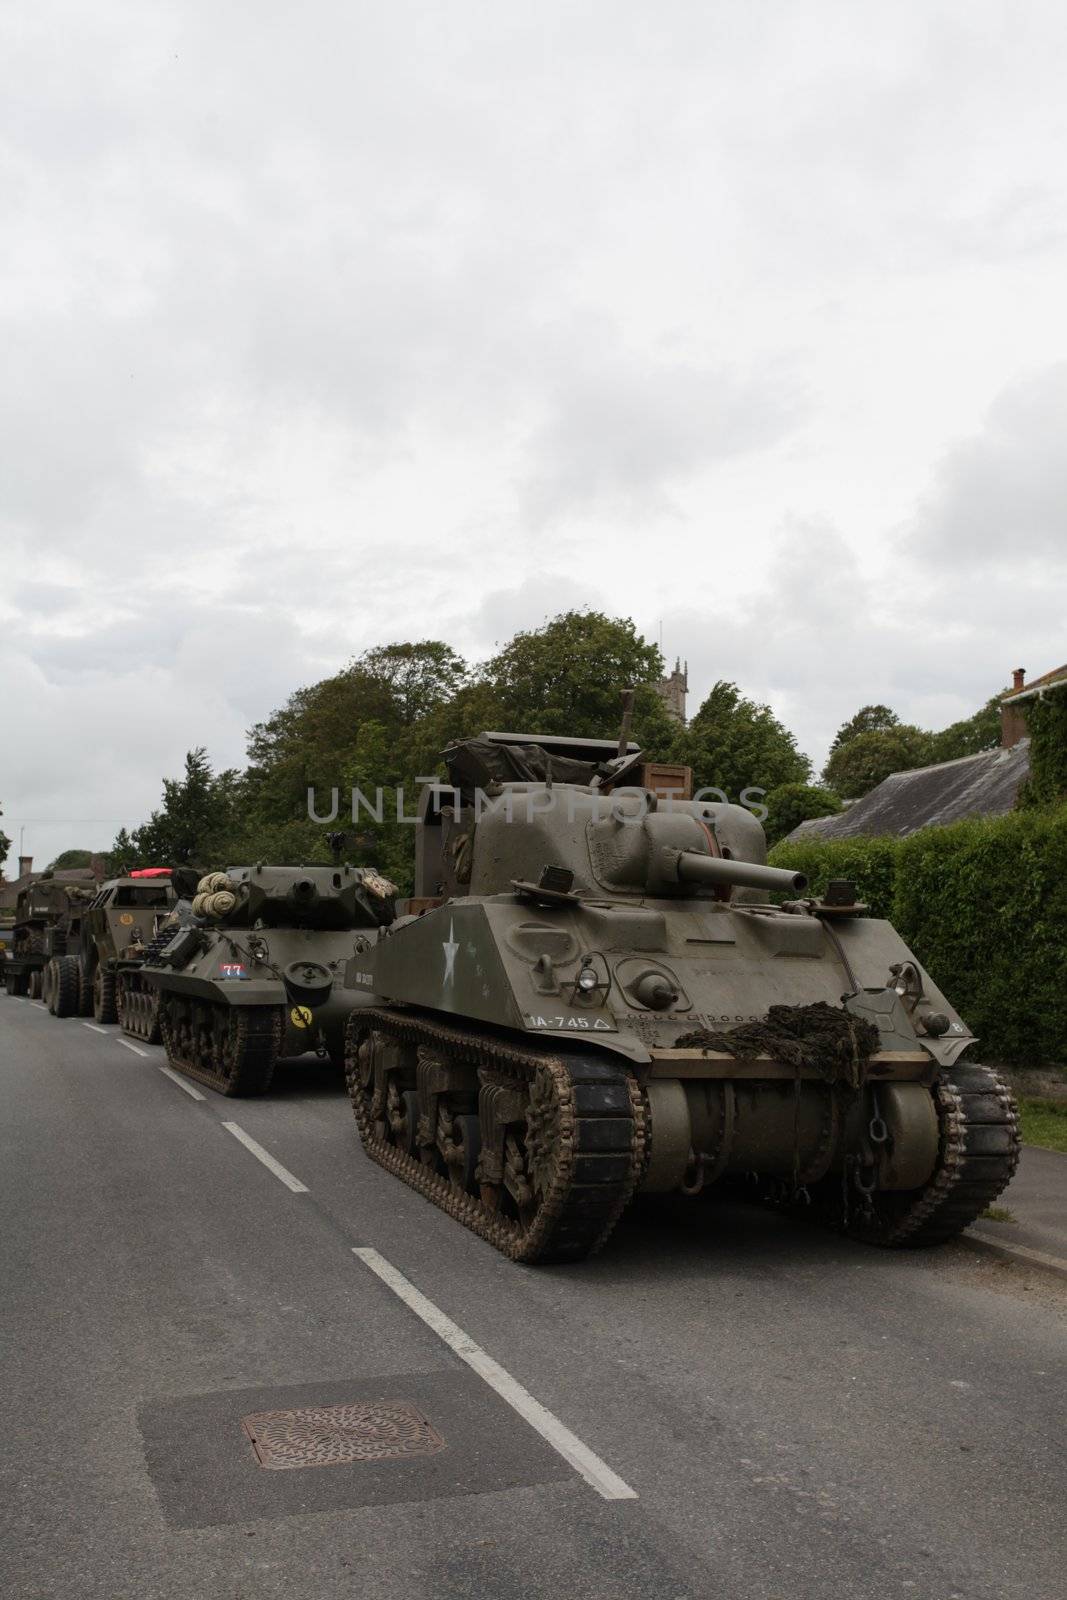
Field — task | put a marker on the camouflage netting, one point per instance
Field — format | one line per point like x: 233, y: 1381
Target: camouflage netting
x: 819, y: 1037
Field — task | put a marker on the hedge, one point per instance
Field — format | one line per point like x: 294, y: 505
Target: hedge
x: 983, y: 904
x: 871, y: 863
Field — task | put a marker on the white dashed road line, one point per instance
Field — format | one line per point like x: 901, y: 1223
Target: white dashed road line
x: 267, y: 1159
x: 595, y: 1472
x: 94, y: 1027
x: 176, y: 1077
x: 134, y: 1047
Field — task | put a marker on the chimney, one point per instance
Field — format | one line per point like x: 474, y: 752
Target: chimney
x: 1013, y: 718
x: 25, y: 866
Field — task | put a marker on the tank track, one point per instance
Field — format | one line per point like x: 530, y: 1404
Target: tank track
x: 139, y: 1010
x: 246, y: 1044
x: 598, y: 1158
x: 978, y: 1155
x: 138, y: 1002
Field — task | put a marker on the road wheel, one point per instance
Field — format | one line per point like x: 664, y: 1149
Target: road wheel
x: 48, y: 985
x: 65, y: 987
x: 33, y: 985
x: 104, y: 1009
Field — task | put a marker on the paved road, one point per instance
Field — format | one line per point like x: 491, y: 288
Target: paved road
x: 792, y: 1415
x: 1037, y: 1199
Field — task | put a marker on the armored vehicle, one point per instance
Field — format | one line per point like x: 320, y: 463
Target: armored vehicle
x: 7, y: 930
x: 103, y: 939
x: 48, y: 915
x: 136, y: 998
x: 595, y: 993
x: 264, y: 969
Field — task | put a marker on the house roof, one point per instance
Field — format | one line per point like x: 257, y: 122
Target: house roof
x: 1056, y: 679
x: 983, y: 785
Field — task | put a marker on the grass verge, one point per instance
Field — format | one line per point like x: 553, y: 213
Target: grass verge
x: 1043, y: 1122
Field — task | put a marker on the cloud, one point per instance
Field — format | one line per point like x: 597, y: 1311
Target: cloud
x: 1001, y: 495
x: 622, y: 428
x: 529, y: 605
x: 827, y: 632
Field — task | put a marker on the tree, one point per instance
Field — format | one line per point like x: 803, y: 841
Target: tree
x: 5, y: 844
x: 420, y: 676
x: 566, y: 678
x: 868, y: 719
x: 967, y: 738
x: 122, y: 855
x: 735, y: 744
x: 67, y: 859
x: 793, y: 803
x: 308, y: 742
x: 196, y: 822
x: 857, y: 767
x: 875, y: 742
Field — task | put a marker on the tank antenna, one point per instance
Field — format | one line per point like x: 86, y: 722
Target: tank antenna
x: 627, y: 718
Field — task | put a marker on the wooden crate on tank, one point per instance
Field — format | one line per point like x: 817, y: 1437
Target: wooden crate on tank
x: 667, y: 779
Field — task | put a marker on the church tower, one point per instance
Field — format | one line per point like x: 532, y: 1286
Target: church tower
x: 673, y: 690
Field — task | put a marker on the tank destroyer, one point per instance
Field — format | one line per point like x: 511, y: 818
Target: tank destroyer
x: 598, y: 991
x: 263, y: 969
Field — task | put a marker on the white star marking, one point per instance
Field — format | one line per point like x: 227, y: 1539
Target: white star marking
x: 450, y: 947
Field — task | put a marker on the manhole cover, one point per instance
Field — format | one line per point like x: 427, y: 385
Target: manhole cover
x: 329, y: 1436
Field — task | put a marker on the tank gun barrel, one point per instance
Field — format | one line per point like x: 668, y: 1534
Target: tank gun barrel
x: 719, y: 870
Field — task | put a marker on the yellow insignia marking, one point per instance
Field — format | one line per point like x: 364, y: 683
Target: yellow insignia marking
x: 300, y: 1016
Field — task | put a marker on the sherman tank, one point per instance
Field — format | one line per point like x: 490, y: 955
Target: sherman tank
x: 600, y: 991
x: 262, y: 969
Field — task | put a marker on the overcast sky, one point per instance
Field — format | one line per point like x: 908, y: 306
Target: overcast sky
x: 330, y: 325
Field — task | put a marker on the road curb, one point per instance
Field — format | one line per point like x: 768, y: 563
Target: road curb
x: 1022, y: 1254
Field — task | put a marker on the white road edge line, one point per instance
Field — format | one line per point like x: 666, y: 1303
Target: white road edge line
x: 175, y: 1077
x: 39, y: 1004
x: 94, y: 1027
x: 584, y: 1461
x: 267, y: 1159
x: 136, y: 1048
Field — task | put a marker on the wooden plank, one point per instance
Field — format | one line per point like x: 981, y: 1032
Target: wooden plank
x: 692, y: 1054
x: 899, y: 1065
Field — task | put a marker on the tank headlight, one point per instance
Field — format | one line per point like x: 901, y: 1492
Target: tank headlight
x: 587, y: 979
